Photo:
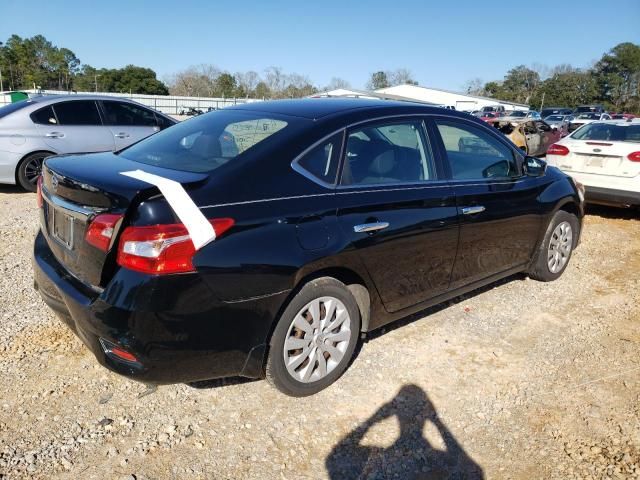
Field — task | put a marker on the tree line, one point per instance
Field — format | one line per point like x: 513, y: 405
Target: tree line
x: 613, y: 81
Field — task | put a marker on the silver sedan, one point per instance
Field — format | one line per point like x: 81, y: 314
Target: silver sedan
x: 39, y: 127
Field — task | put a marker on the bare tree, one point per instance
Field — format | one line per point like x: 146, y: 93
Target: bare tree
x: 337, y: 83
x: 475, y: 86
x: 275, y: 79
x: 401, y: 76
x: 247, y: 81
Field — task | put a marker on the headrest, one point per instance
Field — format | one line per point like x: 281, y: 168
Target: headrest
x: 383, y: 163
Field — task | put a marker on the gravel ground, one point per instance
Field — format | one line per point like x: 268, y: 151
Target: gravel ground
x: 522, y: 380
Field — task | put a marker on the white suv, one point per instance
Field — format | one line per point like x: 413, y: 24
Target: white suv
x: 605, y: 158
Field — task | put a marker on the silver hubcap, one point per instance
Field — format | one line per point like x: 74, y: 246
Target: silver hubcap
x: 317, y: 339
x: 559, y: 247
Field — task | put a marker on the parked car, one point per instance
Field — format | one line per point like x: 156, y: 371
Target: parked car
x: 583, y: 118
x: 532, y: 136
x: 176, y: 262
x: 488, y: 116
x: 545, y: 112
x: 595, y: 108
x: 496, y: 109
x: 33, y: 129
x: 605, y: 157
x: 514, y: 114
x: 561, y: 122
x: 622, y: 116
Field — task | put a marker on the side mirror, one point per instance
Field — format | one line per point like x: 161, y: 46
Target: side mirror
x: 534, y: 167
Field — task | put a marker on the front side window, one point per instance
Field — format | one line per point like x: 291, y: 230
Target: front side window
x: 207, y: 142
x: 322, y: 160
x: 386, y: 154
x: 128, y: 114
x: 77, y: 112
x: 474, y: 154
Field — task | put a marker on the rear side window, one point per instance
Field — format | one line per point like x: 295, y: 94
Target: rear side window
x: 474, y: 154
x: 206, y: 142
x: 386, y: 154
x: 77, y: 112
x: 321, y: 161
x: 44, y: 116
x: 128, y: 114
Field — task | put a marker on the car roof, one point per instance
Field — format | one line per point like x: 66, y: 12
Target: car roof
x: 315, y: 108
x: 62, y: 97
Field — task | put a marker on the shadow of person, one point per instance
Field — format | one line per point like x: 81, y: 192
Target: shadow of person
x: 411, y: 456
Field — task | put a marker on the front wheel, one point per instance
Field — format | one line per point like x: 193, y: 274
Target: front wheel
x: 555, y: 251
x: 314, y: 339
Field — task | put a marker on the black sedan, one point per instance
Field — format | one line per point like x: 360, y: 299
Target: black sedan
x: 263, y: 239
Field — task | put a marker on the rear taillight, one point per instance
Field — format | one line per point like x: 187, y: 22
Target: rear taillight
x: 634, y: 157
x: 557, y: 149
x: 101, y: 230
x: 39, y: 192
x: 162, y: 249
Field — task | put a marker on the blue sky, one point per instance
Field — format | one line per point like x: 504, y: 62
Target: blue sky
x: 444, y: 43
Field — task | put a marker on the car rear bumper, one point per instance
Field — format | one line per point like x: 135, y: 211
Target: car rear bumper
x: 610, y: 196
x: 172, y: 343
x: 8, y: 164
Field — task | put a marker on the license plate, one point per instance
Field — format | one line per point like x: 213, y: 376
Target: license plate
x: 62, y: 228
x: 597, y: 162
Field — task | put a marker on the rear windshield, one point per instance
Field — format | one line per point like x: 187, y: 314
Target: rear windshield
x: 610, y: 132
x: 554, y: 118
x: 589, y: 116
x: 207, y: 142
x: 12, y: 107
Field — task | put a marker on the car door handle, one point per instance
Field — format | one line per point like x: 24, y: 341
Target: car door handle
x: 54, y: 135
x: 370, y: 227
x: 472, y: 210
x: 121, y: 135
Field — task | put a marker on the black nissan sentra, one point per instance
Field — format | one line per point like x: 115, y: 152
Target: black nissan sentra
x: 262, y: 239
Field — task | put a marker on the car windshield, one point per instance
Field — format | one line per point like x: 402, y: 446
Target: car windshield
x: 554, y: 118
x: 207, y: 142
x: 518, y: 113
x: 611, y: 132
x: 13, y: 107
x: 589, y: 116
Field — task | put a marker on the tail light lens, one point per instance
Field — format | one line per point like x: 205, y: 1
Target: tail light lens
x: 557, y: 149
x: 162, y: 249
x: 101, y: 229
x: 634, y: 157
x: 39, y: 192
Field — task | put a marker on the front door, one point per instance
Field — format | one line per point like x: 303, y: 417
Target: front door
x: 396, y: 213
x: 500, y: 219
x: 128, y: 122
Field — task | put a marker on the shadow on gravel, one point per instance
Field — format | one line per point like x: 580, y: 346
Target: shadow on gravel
x: 12, y: 189
x: 411, y: 456
x: 435, y: 309
x: 614, y: 213
x: 222, y: 382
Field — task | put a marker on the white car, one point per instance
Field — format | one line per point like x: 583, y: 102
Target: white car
x: 584, y: 118
x: 605, y: 158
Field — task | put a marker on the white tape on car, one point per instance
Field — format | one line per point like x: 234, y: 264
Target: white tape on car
x: 200, y: 230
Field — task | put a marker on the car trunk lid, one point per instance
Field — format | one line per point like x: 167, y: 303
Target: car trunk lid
x: 78, y: 188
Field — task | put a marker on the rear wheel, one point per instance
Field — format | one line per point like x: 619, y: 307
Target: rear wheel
x: 314, y: 339
x: 555, y: 251
x: 30, y: 169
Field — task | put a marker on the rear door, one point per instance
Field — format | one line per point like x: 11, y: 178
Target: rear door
x: 397, y: 212
x: 128, y: 122
x: 500, y: 217
x: 74, y: 127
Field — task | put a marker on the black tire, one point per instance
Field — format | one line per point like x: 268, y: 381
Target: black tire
x: 540, y: 269
x: 29, y: 166
x: 276, y: 371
